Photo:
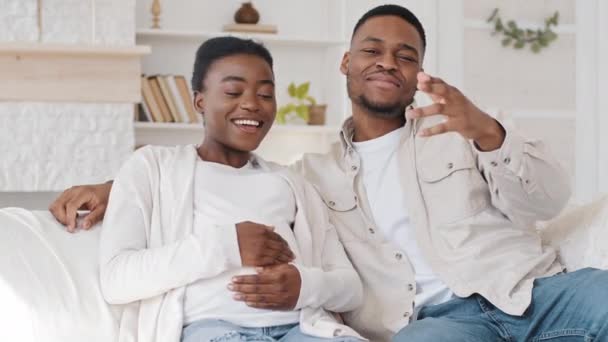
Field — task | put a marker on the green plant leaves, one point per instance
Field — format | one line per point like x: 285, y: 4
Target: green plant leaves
x: 292, y: 89
x: 519, y: 38
x: 300, y: 105
x: 302, y: 90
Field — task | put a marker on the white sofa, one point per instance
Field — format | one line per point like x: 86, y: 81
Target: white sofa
x: 49, y: 286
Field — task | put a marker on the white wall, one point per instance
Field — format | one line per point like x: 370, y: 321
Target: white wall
x: 51, y: 146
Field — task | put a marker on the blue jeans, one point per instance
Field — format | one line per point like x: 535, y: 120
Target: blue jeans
x: 567, y: 307
x: 222, y: 331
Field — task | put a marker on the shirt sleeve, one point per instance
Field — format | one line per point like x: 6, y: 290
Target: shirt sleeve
x: 336, y: 286
x: 526, y: 182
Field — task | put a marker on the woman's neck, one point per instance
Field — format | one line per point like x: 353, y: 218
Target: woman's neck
x: 216, y: 152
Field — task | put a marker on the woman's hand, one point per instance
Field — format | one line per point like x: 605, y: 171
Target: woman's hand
x: 273, y: 288
x: 259, y: 245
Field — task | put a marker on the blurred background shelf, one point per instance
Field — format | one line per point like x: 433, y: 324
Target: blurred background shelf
x: 267, y: 38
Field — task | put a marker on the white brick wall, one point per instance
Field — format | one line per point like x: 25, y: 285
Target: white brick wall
x: 18, y: 20
x: 51, y: 146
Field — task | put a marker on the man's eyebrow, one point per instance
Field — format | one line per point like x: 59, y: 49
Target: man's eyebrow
x: 404, y: 46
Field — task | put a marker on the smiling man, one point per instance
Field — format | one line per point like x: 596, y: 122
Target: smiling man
x: 437, y: 213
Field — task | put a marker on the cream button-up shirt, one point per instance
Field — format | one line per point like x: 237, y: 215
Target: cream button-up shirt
x: 473, y: 212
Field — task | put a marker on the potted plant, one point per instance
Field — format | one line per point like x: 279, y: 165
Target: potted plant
x: 303, y: 106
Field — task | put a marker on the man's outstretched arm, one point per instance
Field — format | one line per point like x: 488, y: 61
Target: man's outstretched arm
x: 93, y: 197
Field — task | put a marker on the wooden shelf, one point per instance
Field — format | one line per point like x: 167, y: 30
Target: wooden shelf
x: 70, y: 73
x: 270, y: 39
x: 71, y: 50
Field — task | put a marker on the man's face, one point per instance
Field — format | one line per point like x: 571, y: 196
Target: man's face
x: 385, y: 56
x: 238, y: 101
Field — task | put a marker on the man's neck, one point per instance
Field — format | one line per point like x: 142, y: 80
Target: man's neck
x: 368, y: 126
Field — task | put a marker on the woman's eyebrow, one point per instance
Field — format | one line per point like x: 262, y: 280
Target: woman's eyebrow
x: 241, y: 79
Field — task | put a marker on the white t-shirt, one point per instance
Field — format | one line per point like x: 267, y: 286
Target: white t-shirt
x: 380, y: 172
x: 227, y: 195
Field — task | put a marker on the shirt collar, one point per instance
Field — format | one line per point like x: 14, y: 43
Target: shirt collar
x: 348, y: 131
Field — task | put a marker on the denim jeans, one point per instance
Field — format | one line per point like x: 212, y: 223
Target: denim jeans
x: 567, y: 307
x: 222, y: 331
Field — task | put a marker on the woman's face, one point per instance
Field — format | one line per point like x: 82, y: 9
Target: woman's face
x: 238, y: 101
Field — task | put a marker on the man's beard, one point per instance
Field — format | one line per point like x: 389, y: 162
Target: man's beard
x: 383, y: 110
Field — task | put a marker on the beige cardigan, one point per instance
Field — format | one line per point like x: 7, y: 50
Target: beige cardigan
x: 148, y: 251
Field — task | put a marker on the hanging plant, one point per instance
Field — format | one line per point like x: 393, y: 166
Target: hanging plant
x: 518, y: 37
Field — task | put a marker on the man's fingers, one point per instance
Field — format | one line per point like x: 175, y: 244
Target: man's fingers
x: 93, y: 217
x: 440, y: 90
x: 423, y: 77
x: 434, y: 109
x: 58, y: 207
x: 71, y: 215
x: 435, y: 130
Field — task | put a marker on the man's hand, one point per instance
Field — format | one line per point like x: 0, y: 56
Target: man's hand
x: 273, y: 288
x: 84, y: 197
x: 259, y: 245
x: 462, y: 115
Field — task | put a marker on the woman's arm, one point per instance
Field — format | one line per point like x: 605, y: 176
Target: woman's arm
x: 131, y: 271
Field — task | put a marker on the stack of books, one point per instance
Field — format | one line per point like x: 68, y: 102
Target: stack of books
x: 166, y: 98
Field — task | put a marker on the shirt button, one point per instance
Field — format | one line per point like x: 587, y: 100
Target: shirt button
x: 332, y: 203
x: 407, y: 314
x: 410, y: 287
x: 494, y: 163
x: 337, y: 332
x: 450, y: 166
x: 371, y: 230
x: 354, y: 167
x: 398, y: 256
x: 507, y: 160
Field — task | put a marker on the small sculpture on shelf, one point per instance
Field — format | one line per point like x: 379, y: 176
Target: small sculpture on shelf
x: 156, y: 11
x: 247, y: 14
x: 303, y: 108
x: 246, y: 20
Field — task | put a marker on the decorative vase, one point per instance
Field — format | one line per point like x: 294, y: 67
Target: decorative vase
x: 156, y: 11
x: 316, y: 115
x: 247, y: 14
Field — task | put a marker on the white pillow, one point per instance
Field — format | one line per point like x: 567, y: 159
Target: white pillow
x: 49, y: 283
x: 580, y: 235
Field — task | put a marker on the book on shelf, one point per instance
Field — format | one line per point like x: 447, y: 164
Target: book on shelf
x: 166, y: 98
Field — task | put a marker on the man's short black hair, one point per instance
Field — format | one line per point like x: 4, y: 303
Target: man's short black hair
x: 220, y: 47
x: 394, y: 10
